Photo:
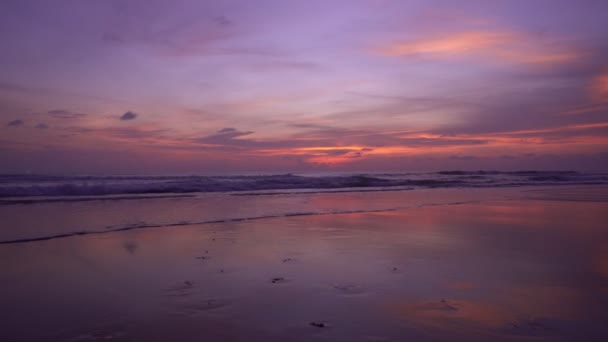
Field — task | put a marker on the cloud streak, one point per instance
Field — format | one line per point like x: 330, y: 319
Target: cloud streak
x: 487, y: 45
x: 65, y: 114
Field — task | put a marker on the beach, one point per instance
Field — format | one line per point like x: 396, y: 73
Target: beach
x: 303, y: 171
x: 500, y: 264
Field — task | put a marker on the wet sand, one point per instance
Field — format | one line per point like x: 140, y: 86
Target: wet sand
x: 511, y: 265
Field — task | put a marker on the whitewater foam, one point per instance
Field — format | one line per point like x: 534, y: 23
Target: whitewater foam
x: 42, y: 186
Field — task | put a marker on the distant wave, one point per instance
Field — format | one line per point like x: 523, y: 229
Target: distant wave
x: 32, y: 200
x: 19, y: 186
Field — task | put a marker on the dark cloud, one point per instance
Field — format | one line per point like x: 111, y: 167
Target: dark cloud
x: 16, y: 123
x: 27, y: 89
x: 227, y: 136
x: 226, y: 130
x: 337, y: 152
x: 326, y: 136
x: 463, y: 157
x: 222, y: 20
x: 309, y: 125
x: 227, y: 140
x: 346, y: 153
x: 120, y: 132
x: 65, y: 114
x: 128, y: 116
x: 538, y: 98
x: 112, y: 37
x: 524, y: 99
x: 169, y: 35
x: 42, y: 126
x: 13, y: 87
x: 277, y: 63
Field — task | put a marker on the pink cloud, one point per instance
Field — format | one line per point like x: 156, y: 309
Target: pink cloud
x: 489, y: 45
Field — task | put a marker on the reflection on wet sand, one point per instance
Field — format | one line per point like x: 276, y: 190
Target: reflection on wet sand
x: 504, y: 270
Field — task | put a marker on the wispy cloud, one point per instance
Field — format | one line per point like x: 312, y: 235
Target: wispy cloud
x: 489, y: 45
x: 453, y: 43
x: 65, y: 114
x: 226, y: 137
x: 227, y: 130
x: 185, y: 36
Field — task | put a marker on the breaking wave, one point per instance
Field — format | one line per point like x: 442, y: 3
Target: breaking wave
x: 19, y: 186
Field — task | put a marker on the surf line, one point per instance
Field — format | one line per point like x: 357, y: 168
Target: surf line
x: 237, y: 219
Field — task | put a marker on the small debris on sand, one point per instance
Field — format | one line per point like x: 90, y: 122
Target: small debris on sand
x: 318, y: 324
x: 350, y: 289
x: 202, y: 257
x: 188, y: 283
x: 287, y: 260
x: 278, y: 280
x: 536, y: 325
x: 445, y: 305
x: 529, y: 326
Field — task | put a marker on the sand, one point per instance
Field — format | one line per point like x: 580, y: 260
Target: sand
x: 487, y: 265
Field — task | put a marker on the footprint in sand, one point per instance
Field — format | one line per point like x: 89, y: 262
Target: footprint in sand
x: 202, y: 307
x: 378, y: 339
x: 350, y: 289
x: 179, y: 290
x: 319, y: 324
x: 278, y: 280
x: 98, y: 334
x: 528, y: 327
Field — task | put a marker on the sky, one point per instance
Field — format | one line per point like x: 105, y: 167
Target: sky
x: 193, y: 86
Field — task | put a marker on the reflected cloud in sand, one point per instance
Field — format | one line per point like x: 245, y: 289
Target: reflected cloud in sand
x: 494, y: 269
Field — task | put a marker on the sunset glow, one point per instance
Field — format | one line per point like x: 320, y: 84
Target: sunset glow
x: 196, y: 86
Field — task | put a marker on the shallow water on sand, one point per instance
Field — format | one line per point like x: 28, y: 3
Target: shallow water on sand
x: 501, y: 265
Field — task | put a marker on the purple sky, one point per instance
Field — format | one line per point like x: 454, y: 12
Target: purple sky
x: 189, y: 86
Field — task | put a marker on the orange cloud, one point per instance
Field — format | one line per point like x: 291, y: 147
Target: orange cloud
x: 505, y: 46
x: 453, y: 44
x: 599, y: 87
x: 587, y: 108
x: 575, y: 139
